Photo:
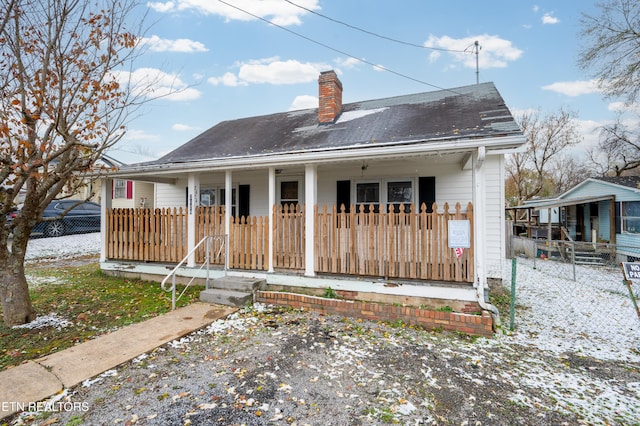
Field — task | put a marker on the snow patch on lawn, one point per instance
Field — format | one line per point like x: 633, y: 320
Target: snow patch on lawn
x: 51, y: 320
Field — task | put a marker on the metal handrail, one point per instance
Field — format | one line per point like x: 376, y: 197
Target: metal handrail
x: 206, y: 263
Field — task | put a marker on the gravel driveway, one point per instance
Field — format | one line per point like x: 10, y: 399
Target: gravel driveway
x: 269, y: 366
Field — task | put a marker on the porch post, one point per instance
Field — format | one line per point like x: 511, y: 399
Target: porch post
x: 228, y: 192
x: 310, y: 199
x: 479, y: 239
x: 105, y: 204
x: 193, y: 188
x: 272, y: 202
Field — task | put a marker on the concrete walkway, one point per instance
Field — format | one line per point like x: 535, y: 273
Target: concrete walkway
x: 36, y: 380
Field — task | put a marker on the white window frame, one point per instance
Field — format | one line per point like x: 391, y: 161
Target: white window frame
x: 628, y: 223
x: 120, y: 189
x: 279, y: 183
x: 383, y: 187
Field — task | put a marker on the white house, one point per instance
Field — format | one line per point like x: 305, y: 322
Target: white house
x: 358, y: 197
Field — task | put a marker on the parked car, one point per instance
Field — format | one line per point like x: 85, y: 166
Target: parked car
x: 85, y: 217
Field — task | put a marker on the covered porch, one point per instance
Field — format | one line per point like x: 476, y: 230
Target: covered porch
x: 403, y: 244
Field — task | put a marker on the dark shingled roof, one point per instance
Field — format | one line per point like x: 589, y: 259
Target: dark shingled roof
x: 628, y: 181
x: 468, y: 112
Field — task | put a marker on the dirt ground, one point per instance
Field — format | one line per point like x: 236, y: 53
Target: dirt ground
x: 274, y: 366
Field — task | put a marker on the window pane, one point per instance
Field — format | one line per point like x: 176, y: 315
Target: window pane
x: 399, y: 192
x: 368, y: 192
x: 631, y: 218
x: 289, y: 191
x: 119, y: 188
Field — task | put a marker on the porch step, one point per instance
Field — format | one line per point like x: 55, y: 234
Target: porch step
x: 238, y: 283
x: 587, y: 258
x: 232, y: 291
x: 226, y: 297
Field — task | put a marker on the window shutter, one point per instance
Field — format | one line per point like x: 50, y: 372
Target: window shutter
x: 129, y: 189
x: 618, y: 218
x: 426, y: 192
x: 343, y: 195
x: 243, y: 200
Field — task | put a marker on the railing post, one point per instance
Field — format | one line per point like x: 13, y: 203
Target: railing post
x: 207, y: 253
x: 173, y: 293
x: 573, y: 259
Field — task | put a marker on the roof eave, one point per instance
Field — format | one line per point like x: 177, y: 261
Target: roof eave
x: 496, y: 145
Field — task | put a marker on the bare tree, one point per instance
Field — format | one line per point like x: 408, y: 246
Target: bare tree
x: 567, y: 171
x: 612, y: 47
x: 618, y: 151
x: 529, y: 173
x: 62, y: 106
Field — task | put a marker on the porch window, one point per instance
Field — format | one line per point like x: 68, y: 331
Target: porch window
x: 289, y: 192
x: 234, y: 200
x: 631, y: 217
x: 368, y: 193
x: 208, y: 197
x: 399, y: 193
x: 122, y: 188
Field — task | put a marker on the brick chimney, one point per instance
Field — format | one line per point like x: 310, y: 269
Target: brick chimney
x: 330, y: 94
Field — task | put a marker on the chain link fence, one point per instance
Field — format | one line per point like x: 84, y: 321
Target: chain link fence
x: 580, y: 285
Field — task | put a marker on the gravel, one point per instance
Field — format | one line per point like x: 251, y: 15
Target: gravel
x: 274, y: 366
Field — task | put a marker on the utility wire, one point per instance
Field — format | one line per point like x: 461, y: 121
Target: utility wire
x: 406, y: 43
x: 380, y: 67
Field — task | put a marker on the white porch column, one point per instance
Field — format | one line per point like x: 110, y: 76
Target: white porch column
x: 105, y: 204
x: 310, y: 200
x: 193, y: 188
x: 272, y: 202
x: 228, y: 192
x: 479, y: 213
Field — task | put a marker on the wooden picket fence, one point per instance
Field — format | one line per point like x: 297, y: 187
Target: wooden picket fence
x: 147, y: 235
x: 288, y: 236
x: 400, y: 244
x: 395, y: 244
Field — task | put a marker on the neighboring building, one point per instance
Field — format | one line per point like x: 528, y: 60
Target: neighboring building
x: 605, y: 210
x: 286, y: 176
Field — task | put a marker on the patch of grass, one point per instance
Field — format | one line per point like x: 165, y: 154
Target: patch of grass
x: 446, y: 308
x: 94, y: 303
x: 500, y: 297
x: 330, y: 293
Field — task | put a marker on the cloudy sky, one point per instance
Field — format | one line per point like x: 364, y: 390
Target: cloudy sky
x: 216, y: 60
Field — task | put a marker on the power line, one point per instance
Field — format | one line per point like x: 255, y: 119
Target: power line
x: 380, y: 67
x: 346, y: 24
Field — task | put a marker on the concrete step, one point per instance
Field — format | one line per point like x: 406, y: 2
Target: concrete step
x: 219, y: 296
x: 238, y: 283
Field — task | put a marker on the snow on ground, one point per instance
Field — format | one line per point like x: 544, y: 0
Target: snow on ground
x: 65, y: 247
x: 591, y: 316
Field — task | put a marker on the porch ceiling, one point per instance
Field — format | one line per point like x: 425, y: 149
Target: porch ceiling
x: 458, y: 157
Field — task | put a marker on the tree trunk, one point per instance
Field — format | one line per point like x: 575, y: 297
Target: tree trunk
x: 14, y: 290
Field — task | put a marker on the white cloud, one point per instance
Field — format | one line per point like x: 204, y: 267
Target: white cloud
x: 183, y: 127
x: 271, y: 71
x: 574, y: 88
x: 154, y: 83
x: 348, y: 62
x: 161, y: 7
x: 277, y: 11
x: 536, y: 8
x: 228, y: 79
x: 379, y: 67
x: 140, y: 135
x: 495, y: 52
x: 304, y: 102
x: 548, y: 18
x: 183, y: 45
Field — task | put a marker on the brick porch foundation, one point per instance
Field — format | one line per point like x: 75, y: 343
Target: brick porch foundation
x: 477, y: 325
